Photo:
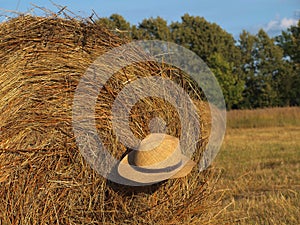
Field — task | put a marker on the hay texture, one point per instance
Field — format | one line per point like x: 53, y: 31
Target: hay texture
x: 43, y: 177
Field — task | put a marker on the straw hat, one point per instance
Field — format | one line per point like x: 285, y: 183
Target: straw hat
x: 158, y: 158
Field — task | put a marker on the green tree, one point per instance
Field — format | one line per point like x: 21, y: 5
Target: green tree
x: 289, y: 41
x: 152, y: 29
x: 203, y: 38
x: 217, y: 48
x: 232, y: 87
x: 117, y: 24
x: 264, y: 70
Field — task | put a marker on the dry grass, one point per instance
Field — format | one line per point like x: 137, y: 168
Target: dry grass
x: 261, y: 175
x: 44, y: 179
x: 269, y: 117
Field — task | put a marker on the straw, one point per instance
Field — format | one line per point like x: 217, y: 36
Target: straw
x: 43, y: 177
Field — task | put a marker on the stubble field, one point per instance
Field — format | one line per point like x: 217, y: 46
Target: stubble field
x: 260, y: 167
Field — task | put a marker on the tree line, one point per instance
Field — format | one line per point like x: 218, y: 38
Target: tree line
x: 255, y: 71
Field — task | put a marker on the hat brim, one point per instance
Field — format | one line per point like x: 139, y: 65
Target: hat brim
x: 133, y: 173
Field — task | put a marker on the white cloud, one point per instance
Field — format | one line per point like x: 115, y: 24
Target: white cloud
x: 286, y: 23
x: 280, y: 24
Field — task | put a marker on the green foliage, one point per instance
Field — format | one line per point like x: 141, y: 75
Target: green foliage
x: 202, y: 37
x: 232, y: 86
x: 255, y: 72
x: 266, y: 73
x: 117, y: 24
x: 289, y: 41
x: 152, y: 29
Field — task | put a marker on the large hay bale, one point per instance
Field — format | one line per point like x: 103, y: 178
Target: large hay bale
x: 44, y: 179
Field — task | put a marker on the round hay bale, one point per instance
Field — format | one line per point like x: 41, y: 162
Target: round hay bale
x: 43, y: 177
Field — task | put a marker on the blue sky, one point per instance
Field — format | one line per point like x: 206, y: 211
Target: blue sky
x: 231, y: 15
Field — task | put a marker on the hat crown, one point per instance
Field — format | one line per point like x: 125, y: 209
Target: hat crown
x: 154, y: 149
x: 159, y: 158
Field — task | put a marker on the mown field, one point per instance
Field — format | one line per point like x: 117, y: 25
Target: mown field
x: 260, y: 164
